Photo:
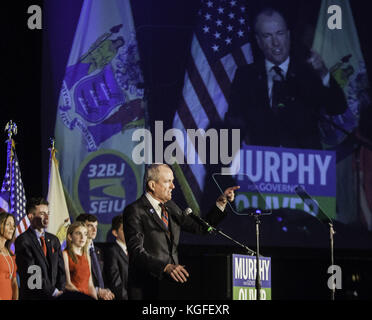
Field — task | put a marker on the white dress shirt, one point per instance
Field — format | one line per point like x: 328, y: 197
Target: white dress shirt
x: 39, y: 234
x: 271, y: 73
x: 156, y: 204
x: 122, y: 245
x: 284, y: 67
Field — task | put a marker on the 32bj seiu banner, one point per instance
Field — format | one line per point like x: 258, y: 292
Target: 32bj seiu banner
x: 100, y: 105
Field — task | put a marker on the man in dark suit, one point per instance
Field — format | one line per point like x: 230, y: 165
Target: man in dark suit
x: 116, y: 264
x: 277, y: 101
x: 152, y: 226
x: 38, y: 253
x: 96, y: 256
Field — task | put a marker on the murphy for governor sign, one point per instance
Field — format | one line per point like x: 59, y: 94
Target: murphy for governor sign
x: 268, y: 178
x: 244, y: 277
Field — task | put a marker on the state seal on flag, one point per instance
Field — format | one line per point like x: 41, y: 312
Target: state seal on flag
x: 101, y: 91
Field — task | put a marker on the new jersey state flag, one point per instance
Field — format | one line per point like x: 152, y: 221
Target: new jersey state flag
x: 340, y: 50
x: 336, y: 40
x: 100, y: 106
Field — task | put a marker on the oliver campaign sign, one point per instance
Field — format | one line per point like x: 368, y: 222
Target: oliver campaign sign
x: 244, y: 277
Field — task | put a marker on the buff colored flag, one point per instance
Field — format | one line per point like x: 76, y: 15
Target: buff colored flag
x: 59, y: 218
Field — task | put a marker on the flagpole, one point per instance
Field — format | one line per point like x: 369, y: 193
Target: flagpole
x: 59, y: 219
x: 52, y: 150
x: 11, y: 128
x: 53, y: 141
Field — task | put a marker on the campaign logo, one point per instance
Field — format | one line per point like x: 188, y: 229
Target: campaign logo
x: 101, y: 94
x: 106, y: 182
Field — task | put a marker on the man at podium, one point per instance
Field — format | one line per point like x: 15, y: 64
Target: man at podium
x: 152, y: 226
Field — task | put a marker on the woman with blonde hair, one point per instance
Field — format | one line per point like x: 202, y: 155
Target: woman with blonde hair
x: 8, y: 267
x: 77, y: 260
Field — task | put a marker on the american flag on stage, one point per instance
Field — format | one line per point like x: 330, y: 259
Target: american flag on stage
x: 220, y: 44
x: 12, y: 196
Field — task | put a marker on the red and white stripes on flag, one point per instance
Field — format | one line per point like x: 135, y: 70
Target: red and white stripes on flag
x: 13, y: 198
x: 23, y: 225
x: 220, y: 44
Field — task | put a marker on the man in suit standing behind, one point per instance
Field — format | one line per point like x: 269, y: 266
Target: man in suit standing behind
x: 40, y: 250
x: 152, y: 226
x: 116, y: 264
x: 278, y: 100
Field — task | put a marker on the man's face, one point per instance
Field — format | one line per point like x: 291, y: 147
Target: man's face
x: 119, y: 234
x: 39, y: 217
x: 273, y: 37
x: 162, y: 189
x: 92, y: 229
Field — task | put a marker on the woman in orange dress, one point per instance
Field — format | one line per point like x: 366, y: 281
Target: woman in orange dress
x: 77, y: 261
x: 8, y: 267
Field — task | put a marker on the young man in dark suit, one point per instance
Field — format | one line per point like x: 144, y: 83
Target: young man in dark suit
x: 116, y: 264
x: 152, y: 227
x: 38, y: 256
x: 278, y: 100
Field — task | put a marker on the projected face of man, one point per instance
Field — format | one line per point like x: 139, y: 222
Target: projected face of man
x: 273, y: 37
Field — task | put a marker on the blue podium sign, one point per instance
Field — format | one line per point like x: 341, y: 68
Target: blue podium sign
x: 244, y: 277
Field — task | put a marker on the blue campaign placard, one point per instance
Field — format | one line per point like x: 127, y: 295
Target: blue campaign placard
x: 244, y: 277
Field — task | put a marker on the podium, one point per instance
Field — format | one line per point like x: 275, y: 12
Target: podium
x: 219, y: 276
x: 243, y: 275
x: 229, y: 277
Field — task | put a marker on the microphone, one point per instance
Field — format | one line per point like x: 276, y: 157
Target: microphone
x: 260, y: 212
x: 188, y: 212
x: 311, y: 203
x: 305, y: 197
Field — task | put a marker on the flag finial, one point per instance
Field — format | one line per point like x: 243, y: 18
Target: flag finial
x: 11, y: 128
x: 52, y: 141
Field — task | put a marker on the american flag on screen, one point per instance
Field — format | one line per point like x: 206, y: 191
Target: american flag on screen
x: 220, y: 44
x: 12, y: 196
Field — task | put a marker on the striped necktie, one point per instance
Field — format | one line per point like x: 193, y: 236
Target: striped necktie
x: 96, y: 267
x: 164, y: 215
x: 278, y: 73
x: 277, y: 89
x: 43, y: 245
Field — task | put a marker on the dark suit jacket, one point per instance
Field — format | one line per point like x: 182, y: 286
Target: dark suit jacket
x: 116, y: 271
x: 28, y: 252
x: 100, y: 257
x: 151, y: 247
x: 296, y: 124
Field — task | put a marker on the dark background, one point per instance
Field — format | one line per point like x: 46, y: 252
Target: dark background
x: 33, y: 64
